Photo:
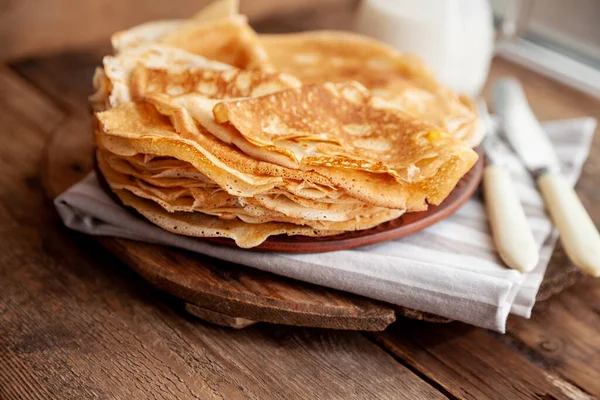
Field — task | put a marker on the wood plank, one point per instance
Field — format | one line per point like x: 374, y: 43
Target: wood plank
x: 100, y: 332
x: 337, y: 16
x: 218, y: 318
x: 65, y: 77
x: 22, y: 167
x: 469, y: 363
x: 27, y: 102
x: 76, y: 323
x: 563, y: 335
x: 250, y: 294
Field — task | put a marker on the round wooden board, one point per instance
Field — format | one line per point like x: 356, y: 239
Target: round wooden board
x: 226, y: 293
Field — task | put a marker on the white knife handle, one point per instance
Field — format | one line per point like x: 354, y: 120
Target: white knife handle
x: 512, y: 234
x: 578, y: 234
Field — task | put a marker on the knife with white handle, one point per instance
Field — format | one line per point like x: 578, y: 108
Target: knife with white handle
x: 511, y: 232
x: 578, y: 233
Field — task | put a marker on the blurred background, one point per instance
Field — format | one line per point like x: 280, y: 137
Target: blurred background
x: 559, y: 38
x: 31, y: 27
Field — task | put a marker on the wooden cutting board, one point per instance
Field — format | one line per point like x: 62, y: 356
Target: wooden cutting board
x: 225, y: 293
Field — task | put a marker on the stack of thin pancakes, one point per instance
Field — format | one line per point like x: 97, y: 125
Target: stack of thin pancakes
x: 210, y: 130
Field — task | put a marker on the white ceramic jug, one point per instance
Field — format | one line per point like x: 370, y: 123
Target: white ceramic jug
x: 454, y: 37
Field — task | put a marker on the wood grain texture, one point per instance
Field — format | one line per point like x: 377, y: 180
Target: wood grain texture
x: 76, y: 323
x: 470, y: 363
x: 563, y: 335
x: 241, y: 292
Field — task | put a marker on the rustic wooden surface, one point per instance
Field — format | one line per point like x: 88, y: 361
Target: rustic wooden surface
x: 77, y: 323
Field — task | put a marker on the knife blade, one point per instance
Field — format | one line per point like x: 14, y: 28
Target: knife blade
x: 578, y: 233
x: 510, y: 230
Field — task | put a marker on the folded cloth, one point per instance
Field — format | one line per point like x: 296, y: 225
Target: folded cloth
x: 450, y: 269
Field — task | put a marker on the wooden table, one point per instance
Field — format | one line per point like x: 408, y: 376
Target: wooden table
x: 77, y: 323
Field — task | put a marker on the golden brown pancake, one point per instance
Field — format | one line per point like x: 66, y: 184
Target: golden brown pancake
x: 342, y: 127
x: 135, y: 128
x: 245, y: 234
x: 248, y: 210
x: 229, y: 40
x: 201, y: 225
x: 206, y: 82
x: 200, y: 135
x: 204, y: 196
x: 99, y: 100
x: 335, y: 56
x: 112, y: 83
x: 198, y: 89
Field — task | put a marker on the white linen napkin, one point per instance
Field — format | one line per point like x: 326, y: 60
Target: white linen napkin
x: 449, y: 269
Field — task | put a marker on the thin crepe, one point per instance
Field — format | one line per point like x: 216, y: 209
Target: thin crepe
x: 244, y: 233
x: 207, y: 197
x: 201, y: 225
x: 112, y: 83
x: 338, y: 128
x: 403, y: 79
x: 230, y: 40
